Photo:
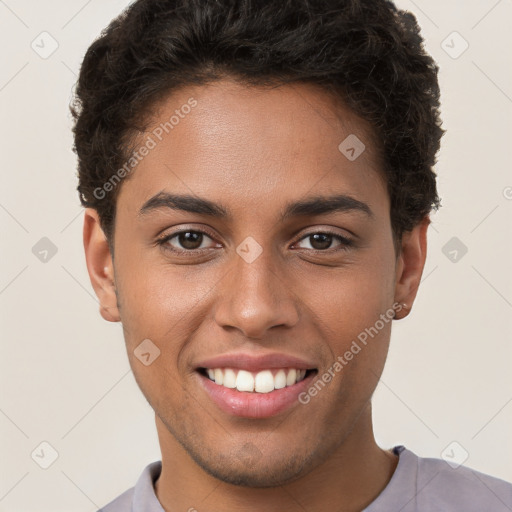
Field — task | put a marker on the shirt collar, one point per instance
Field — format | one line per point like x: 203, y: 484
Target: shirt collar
x: 396, y: 493
x: 144, y: 497
x: 401, y: 490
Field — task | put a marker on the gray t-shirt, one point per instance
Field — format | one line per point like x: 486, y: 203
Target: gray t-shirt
x: 417, y: 485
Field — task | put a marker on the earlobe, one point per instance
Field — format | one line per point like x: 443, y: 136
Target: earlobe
x: 409, y: 267
x: 100, y: 265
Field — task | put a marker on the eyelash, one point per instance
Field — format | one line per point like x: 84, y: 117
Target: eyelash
x: 346, y: 243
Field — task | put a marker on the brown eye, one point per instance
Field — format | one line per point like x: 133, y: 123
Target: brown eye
x: 185, y: 241
x: 190, y: 239
x: 322, y: 241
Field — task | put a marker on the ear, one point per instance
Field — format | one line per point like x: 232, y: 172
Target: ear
x: 100, y: 266
x: 409, y: 266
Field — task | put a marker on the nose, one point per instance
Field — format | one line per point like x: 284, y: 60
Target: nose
x: 255, y: 297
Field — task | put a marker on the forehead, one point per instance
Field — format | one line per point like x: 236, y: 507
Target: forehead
x: 226, y: 140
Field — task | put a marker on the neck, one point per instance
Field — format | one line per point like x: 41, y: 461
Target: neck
x: 349, y: 479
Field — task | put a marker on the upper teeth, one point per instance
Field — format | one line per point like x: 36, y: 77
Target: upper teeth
x: 264, y: 381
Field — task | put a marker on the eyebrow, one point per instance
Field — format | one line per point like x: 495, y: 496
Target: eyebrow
x: 319, y: 205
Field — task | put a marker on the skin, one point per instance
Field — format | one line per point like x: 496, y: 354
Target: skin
x: 254, y: 150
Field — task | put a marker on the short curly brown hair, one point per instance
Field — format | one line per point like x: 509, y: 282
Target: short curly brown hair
x: 367, y: 52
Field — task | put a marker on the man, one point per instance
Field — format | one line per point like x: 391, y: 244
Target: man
x: 258, y: 178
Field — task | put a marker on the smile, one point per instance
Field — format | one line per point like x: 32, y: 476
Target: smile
x: 264, y: 381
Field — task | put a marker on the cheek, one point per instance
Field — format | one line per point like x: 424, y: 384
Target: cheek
x: 353, y: 298
x: 155, y: 306
x: 164, y: 304
x: 353, y: 308
x: 154, y: 295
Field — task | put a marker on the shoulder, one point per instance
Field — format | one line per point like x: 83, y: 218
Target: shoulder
x: 422, y: 484
x: 122, y: 503
x: 141, y: 497
x: 441, y: 486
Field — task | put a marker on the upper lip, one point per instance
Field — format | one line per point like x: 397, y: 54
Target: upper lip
x: 254, y: 363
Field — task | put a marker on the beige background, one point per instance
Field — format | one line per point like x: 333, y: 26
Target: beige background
x: 64, y: 373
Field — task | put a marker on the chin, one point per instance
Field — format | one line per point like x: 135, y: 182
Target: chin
x: 254, y: 475
x: 248, y: 467
x: 242, y: 462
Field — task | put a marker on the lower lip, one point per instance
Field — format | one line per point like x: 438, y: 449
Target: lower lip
x: 254, y: 405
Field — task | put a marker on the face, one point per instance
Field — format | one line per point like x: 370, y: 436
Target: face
x: 288, y: 263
